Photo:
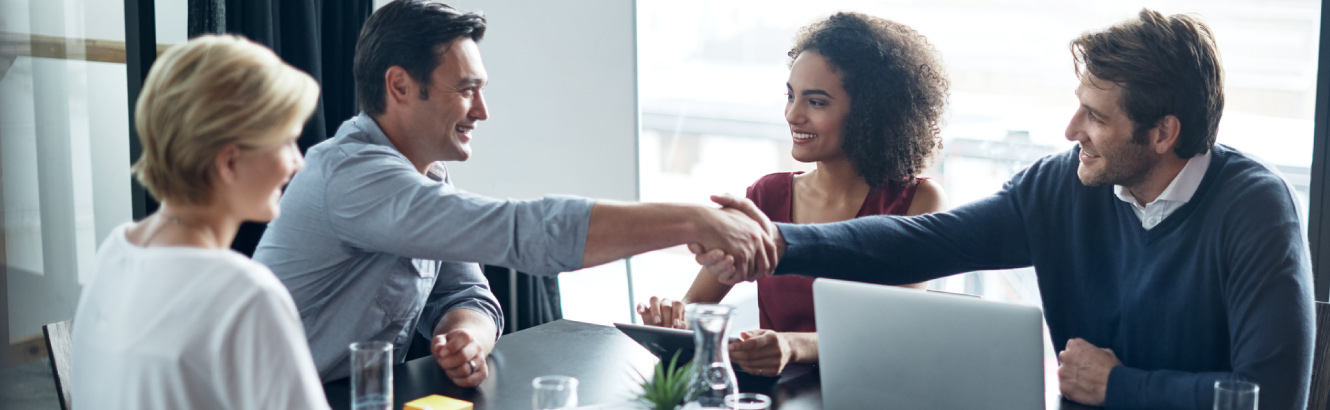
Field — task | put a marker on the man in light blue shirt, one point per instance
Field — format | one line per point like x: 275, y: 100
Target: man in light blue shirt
x: 375, y: 243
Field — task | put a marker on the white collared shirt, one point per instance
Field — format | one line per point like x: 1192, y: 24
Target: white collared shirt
x: 1178, y: 192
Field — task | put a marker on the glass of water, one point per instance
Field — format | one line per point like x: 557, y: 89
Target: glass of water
x: 748, y: 401
x: 371, y: 376
x: 1235, y: 395
x: 554, y: 392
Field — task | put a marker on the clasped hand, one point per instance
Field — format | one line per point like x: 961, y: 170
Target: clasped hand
x: 1083, y: 376
x: 461, y: 356
x: 744, y: 246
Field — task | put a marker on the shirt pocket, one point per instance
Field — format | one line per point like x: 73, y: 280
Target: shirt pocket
x: 401, y: 297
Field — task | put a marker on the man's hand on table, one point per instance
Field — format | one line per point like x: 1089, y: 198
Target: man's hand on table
x: 1083, y: 376
x: 462, y: 340
x: 461, y: 356
x: 731, y: 268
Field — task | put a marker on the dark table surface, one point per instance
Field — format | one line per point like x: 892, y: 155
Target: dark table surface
x: 604, y: 361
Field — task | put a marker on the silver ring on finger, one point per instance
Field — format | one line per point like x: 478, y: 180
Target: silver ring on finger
x: 473, y: 366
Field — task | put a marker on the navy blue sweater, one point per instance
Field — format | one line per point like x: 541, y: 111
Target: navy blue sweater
x: 1221, y: 287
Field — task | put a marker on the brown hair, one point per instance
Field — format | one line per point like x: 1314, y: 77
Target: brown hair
x: 897, y: 87
x: 412, y: 34
x: 205, y: 94
x: 1165, y: 66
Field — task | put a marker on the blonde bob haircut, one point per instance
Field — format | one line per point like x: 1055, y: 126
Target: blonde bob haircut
x: 201, y: 96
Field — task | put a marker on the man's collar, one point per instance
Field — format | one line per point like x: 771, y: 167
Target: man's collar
x: 1182, y: 187
x: 1188, y: 180
x: 371, y: 128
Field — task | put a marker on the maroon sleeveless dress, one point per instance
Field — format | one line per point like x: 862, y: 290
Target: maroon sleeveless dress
x: 785, y: 303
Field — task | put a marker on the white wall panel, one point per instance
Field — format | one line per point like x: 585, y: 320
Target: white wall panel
x: 562, y: 101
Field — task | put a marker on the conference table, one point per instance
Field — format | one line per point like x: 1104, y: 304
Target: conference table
x: 604, y: 360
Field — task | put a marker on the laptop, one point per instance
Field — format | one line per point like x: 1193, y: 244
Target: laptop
x: 886, y: 347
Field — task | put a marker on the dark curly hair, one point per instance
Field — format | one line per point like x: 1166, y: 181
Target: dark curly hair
x: 897, y: 87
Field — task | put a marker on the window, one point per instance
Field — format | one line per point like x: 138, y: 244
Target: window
x: 712, y: 77
x: 64, y: 147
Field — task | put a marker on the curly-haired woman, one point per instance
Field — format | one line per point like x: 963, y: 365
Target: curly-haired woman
x: 865, y: 97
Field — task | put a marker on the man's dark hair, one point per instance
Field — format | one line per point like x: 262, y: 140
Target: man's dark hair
x: 897, y: 88
x: 412, y: 34
x: 1165, y: 66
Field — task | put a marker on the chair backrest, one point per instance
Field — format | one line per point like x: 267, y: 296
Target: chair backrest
x: 60, y: 344
x: 1319, y: 399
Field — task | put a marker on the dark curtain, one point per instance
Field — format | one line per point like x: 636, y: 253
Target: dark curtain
x: 316, y: 36
x: 536, y: 298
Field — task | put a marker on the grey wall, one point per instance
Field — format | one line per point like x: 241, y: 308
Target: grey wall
x: 562, y: 100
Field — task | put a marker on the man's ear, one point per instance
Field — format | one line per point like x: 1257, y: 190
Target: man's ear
x: 228, y: 164
x: 400, y: 87
x: 1164, y: 136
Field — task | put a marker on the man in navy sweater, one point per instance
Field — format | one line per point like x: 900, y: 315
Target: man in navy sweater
x: 1165, y: 262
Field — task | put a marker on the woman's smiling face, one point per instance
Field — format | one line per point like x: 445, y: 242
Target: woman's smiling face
x: 816, y: 108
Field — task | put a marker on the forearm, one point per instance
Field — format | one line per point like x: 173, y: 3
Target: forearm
x: 706, y: 289
x: 378, y: 206
x: 459, y: 286
x: 1131, y: 388
x: 479, y: 325
x: 618, y: 230
x: 803, y: 347
x: 891, y: 250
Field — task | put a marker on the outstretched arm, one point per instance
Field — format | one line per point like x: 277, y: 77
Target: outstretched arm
x: 381, y: 204
x: 894, y: 250
x: 619, y: 229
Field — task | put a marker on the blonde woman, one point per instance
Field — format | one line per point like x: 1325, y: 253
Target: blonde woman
x: 173, y: 319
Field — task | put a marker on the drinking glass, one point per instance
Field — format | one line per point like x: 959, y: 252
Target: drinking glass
x: 371, y: 376
x: 1235, y: 395
x: 554, y: 392
x: 748, y: 401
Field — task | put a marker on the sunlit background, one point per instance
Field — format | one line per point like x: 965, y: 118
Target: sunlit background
x: 711, y: 83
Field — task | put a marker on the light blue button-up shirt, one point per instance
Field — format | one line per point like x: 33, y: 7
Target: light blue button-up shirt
x: 364, y: 241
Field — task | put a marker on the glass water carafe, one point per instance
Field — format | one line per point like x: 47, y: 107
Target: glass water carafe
x: 712, y: 378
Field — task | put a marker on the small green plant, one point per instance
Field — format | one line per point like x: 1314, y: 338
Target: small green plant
x: 666, y: 390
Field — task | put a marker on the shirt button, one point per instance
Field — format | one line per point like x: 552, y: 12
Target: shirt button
x: 1153, y: 221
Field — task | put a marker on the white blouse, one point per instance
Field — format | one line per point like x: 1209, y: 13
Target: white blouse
x: 188, y: 328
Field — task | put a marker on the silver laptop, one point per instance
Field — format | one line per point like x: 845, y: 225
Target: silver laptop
x: 886, y: 347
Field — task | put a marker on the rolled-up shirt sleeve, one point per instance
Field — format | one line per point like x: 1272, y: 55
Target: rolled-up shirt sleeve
x: 460, y: 286
x: 378, y: 202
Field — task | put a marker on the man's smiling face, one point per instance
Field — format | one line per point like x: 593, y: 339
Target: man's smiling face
x: 442, y: 121
x: 1109, y: 155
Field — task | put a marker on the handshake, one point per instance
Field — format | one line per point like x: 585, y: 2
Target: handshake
x: 738, y: 242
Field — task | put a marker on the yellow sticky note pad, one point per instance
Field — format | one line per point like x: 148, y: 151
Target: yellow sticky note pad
x: 437, y: 402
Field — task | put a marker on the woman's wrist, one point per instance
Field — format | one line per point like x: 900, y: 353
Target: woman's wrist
x: 803, y: 346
